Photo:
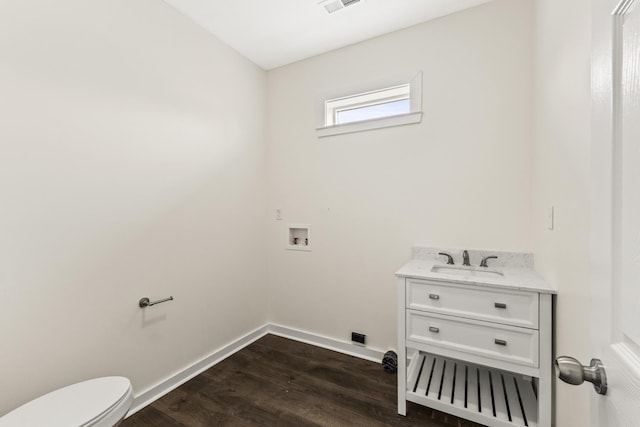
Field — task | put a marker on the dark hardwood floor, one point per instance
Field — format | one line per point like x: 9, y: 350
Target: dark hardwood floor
x: 279, y: 382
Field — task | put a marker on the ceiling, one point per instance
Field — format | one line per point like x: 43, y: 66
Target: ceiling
x: 272, y: 33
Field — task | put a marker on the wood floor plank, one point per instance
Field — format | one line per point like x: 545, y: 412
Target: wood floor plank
x: 152, y: 417
x: 280, y: 382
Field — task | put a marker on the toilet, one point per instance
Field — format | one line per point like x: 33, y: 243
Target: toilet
x: 99, y: 402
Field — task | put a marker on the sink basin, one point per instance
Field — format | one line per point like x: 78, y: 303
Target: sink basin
x: 465, y: 271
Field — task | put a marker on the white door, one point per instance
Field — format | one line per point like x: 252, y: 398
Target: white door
x: 615, y: 209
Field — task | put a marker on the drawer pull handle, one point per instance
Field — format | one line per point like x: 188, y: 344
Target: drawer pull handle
x: 434, y: 296
x: 500, y: 342
x: 434, y: 329
x: 500, y: 305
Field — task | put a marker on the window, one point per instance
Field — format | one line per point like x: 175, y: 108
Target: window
x: 391, y: 106
x: 366, y: 106
x: 385, y: 109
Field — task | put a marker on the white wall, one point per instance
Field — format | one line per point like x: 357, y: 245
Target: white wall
x: 131, y: 164
x: 561, y: 179
x: 462, y: 178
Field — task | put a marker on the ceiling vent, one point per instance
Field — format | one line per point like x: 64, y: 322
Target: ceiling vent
x: 334, y: 5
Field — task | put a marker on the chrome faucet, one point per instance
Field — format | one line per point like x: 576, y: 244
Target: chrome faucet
x: 465, y: 258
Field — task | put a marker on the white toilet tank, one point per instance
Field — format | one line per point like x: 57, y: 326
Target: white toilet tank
x: 100, y: 402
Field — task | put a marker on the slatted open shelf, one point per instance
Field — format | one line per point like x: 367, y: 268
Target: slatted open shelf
x: 487, y: 396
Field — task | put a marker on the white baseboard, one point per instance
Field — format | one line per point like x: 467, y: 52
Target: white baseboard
x: 154, y: 393
x: 328, y: 343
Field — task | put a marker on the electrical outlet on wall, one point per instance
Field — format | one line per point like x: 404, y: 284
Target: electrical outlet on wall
x: 550, y: 218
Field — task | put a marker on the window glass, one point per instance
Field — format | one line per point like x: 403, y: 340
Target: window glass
x: 370, y: 105
x: 368, y: 112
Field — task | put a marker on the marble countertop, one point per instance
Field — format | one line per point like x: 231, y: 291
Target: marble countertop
x: 517, y: 274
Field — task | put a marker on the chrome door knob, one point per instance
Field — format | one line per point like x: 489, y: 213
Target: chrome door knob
x: 571, y: 371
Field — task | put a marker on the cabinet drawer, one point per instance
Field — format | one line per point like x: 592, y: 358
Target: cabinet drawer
x: 501, y: 342
x: 508, y: 307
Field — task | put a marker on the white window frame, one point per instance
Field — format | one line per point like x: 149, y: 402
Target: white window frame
x: 333, y: 107
x: 411, y: 90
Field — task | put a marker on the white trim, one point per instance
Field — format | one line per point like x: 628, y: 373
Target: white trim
x: 416, y: 93
x: 376, y: 97
x: 327, y: 128
x: 383, y: 122
x: 623, y: 7
x: 628, y: 358
x: 154, y: 393
x: 343, y: 347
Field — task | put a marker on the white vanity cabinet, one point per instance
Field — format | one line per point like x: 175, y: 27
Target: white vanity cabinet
x: 477, y: 349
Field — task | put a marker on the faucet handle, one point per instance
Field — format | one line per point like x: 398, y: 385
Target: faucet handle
x: 449, y: 257
x: 483, y: 263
